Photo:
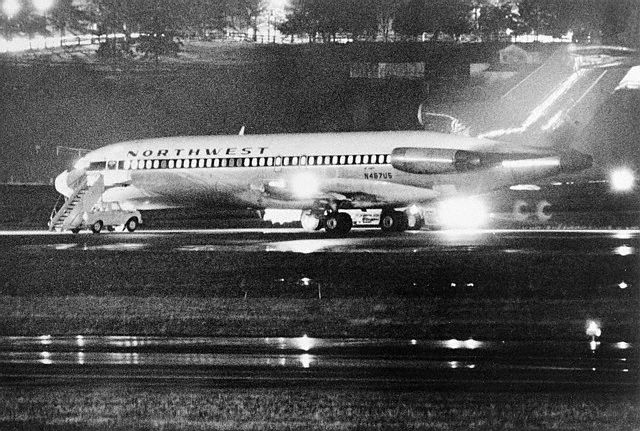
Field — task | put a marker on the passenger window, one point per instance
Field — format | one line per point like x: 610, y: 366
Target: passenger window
x: 179, y: 163
x: 303, y: 160
x: 286, y: 161
x: 172, y: 164
x: 349, y: 160
x: 111, y: 164
x: 261, y: 161
x: 209, y: 163
x: 247, y: 162
x: 156, y: 164
x: 201, y: 163
x: 278, y: 161
x: 358, y: 159
x: 163, y: 164
x: 343, y: 159
x: 223, y: 163
x: 365, y: 159
x: 312, y: 160
x: 327, y: 160
x: 334, y: 160
x: 216, y: 163
x: 270, y: 161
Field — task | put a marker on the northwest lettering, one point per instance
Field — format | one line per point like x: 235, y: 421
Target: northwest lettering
x: 189, y: 152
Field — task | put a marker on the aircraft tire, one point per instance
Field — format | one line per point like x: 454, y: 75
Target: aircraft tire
x: 97, y: 226
x: 338, y: 223
x: 393, y: 221
x: 132, y: 224
x: 543, y: 211
x: 521, y: 210
x: 310, y: 222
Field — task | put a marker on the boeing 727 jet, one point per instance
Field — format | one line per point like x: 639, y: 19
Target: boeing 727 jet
x: 320, y: 174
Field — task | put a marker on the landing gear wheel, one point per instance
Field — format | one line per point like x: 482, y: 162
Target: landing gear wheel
x: 96, y: 227
x: 310, y: 221
x: 111, y: 228
x: 393, y: 221
x: 338, y: 223
x: 131, y: 224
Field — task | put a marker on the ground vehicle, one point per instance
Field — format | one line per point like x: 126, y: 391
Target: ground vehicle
x: 109, y: 215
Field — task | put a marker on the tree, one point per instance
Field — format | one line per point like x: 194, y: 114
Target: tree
x: 66, y: 16
x: 244, y: 14
x: 434, y: 16
x: 386, y: 11
x: 494, y: 20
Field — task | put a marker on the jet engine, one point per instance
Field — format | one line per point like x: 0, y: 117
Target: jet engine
x: 434, y: 160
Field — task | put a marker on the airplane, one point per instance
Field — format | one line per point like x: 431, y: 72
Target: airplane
x: 321, y: 174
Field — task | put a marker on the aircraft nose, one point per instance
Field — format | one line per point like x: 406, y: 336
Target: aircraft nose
x: 573, y: 161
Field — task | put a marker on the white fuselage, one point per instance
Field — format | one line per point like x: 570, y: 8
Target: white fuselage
x: 292, y: 170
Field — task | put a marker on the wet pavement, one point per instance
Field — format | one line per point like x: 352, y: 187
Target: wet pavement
x: 595, y: 271
x: 306, y: 360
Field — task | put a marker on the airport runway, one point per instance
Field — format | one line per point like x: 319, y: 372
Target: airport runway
x: 306, y: 361
x: 580, y: 267
x: 605, y: 242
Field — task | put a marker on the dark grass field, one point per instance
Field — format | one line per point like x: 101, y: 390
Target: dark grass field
x: 446, y: 295
x: 391, y: 317
x: 119, y: 408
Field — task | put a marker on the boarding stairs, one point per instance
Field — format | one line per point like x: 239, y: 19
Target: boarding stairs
x: 86, y: 192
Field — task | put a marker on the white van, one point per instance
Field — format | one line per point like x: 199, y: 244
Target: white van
x: 110, y: 215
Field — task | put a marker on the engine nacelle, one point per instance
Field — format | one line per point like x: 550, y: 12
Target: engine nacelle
x: 434, y: 160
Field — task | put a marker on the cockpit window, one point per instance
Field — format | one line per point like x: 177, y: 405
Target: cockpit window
x: 97, y: 166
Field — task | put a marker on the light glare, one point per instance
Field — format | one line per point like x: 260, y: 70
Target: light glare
x: 463, y: 213
x: 304, y: 185
x: 622, y: 180
x: 11, y: 7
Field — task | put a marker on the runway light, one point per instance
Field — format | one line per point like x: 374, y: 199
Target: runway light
x: 472, y: 344
x: 305, y: 360
x: 304, y: 343
x: 593, y: 329
x: 305, y: 281
x: 623, y: 285
x: 45, y: 358
x: 624, y: 250
x: 622, y: 345
x: 622, y: 180
x: 463, y: 213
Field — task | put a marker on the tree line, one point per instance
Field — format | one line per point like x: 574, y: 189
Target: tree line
x: 325, y: 20
x: 614, y: 21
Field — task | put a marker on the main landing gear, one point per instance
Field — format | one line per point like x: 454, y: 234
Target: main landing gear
x: 340, y: 223
x: 334, y: 223
x: 399, y: 221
